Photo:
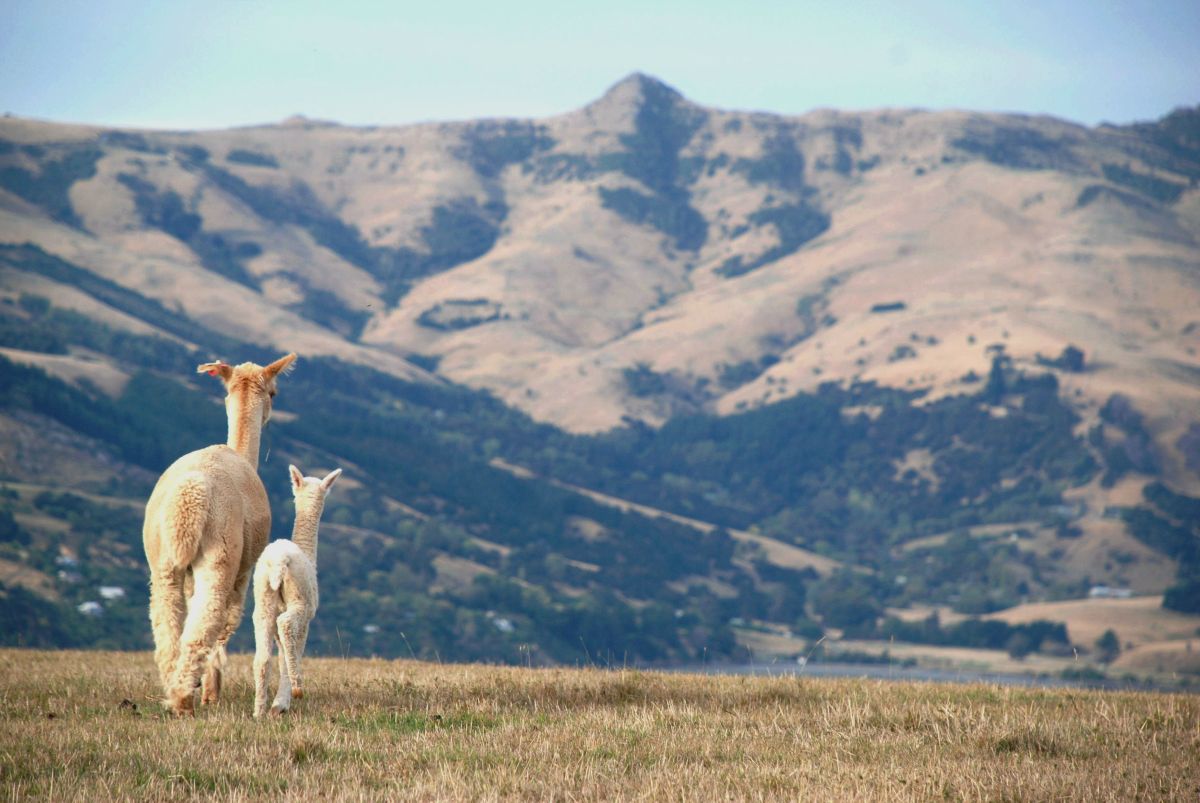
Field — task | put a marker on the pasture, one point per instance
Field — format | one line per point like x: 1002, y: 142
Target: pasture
x: 87, y: 726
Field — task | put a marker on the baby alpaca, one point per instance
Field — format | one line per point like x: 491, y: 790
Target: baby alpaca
x: 285, y: 594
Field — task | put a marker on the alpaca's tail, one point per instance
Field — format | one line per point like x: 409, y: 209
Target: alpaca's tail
x: 273, y: 567
x: 278, y: 570
x: 187, y: 513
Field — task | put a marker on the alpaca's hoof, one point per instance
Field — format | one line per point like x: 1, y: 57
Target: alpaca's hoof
x: 297, y: 694
x: 212, y: 687
x: 277, y: 711
x: 183, y: 706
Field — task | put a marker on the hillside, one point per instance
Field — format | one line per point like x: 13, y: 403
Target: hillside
x: 717, y: 243
x: 896, y: 358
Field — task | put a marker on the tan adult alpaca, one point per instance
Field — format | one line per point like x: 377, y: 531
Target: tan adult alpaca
x: 207, y: 522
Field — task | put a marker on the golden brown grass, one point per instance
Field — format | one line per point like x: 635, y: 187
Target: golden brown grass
x: 85, y: 726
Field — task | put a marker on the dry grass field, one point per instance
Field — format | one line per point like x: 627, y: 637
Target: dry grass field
x: 1137, y: 620
x: 85, y: 726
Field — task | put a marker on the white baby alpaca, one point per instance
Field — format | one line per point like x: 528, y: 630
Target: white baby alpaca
x: 285, y: 594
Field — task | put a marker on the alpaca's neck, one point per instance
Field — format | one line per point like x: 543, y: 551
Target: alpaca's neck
x: 245, y: 425
x: 304, y: 531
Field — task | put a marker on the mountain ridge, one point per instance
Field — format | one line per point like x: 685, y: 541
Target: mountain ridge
x: 538, y: 262
x: 711, y: 313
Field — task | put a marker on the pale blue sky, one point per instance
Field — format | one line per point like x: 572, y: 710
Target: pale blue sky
x: 189, y: 64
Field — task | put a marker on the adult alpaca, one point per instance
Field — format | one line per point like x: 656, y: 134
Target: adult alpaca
x: 285, y: 594
x: 206, y: 523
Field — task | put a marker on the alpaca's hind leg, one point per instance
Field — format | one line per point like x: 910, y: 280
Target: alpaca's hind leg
x: 234, y: 607
x: 205, y: 618
x: 300, y: 624
x: 283, y: 694
x: 289, y: 627
x: 168, y: 607
x: 265, y: 613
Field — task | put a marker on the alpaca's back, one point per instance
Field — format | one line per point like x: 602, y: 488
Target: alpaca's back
x: 286, y: 578
x: 207, y: 498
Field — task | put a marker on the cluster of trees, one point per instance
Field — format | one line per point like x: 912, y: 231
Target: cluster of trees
x: 1170, y: 523
x: 1018, y: 640
x: 48, y: 187
x: 165, y: 210
x: 795, y: 224
x: 1018, y: 147
x: 806, y: 471
x: 491, y: 146
x: 459, y: 231
x: 1123, y: 440
x: 1161, y: 190
x: 252, y: 158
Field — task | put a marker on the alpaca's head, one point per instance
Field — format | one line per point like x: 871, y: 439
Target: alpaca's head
x: 309, y: 491
x: 249, y: 384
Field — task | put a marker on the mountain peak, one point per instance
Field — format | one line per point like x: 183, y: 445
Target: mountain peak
x: 622, y: 100
x: 642, y: 82
x: 301, y: 121
x: 638, y: 86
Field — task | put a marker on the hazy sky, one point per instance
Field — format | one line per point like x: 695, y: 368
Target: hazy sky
x: 188, y: 64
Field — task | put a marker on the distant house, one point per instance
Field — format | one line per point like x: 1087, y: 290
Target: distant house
x: 91, y: 608
x: 1108, y: 592
x: 112, y: 592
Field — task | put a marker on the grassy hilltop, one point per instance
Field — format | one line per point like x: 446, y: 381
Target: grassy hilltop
x: 86, y: 726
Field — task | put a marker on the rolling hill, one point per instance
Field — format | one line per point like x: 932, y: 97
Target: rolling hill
x: 890, y: 340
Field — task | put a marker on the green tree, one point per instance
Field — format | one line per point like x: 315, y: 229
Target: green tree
x: 1108, y: 647
x: 1019, y: 645
x: 10, y: 530
x: 846, y: 599
x: 1071, y: 359
x: 996, y: 385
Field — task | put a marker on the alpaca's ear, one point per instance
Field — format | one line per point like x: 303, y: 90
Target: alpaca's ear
x: 280, y: 366
x: 330, y: 478
x: 217, y: 368
x: 297, y: 478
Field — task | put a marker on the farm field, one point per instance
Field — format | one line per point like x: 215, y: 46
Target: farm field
x: 86, y: 726
x: 1157, y: 644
